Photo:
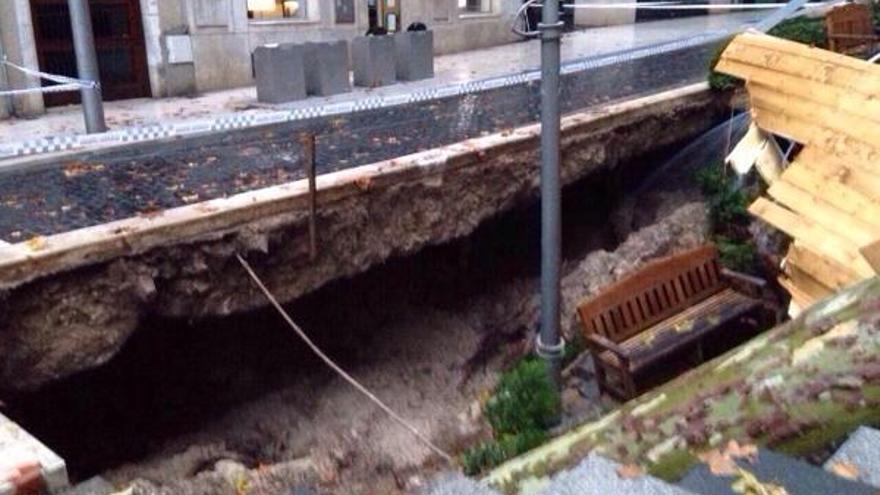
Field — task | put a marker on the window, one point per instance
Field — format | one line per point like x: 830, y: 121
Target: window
x: 269, y: 10
x: 475, y: 6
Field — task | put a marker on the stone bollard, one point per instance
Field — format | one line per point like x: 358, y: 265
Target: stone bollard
x: 373, y: 58
x: 326, y: 66
x: 415, y: 55
x: 280, y: 72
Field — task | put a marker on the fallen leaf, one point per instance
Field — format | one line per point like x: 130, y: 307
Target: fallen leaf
x: 37, y: 243
x: 736, y: 451
x: 630, y: 471
x: 719, y: 463
x: 845, y: 469
x: 363, y: 183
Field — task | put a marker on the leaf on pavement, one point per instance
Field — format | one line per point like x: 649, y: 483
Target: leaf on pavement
x: 630, y: 471
x: 845, y: 469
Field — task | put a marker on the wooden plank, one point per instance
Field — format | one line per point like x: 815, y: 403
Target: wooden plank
x: 832, y: 189
x: 825, y: 270
x: 799, y: 297
x: 813, y: 288
x: 832, y: 143
x: 847, y: 98
x: 813, y: 236
x: 832, y: 170
x: 824, y: 214
x: 851, y: 125
x: 871, y: 253
x: 811, y: 54
x: 818, y: 156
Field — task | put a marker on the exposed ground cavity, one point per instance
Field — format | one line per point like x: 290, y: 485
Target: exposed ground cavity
x: 207, y: 406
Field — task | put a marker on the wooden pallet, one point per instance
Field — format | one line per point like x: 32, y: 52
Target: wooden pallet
x: 828, y: 198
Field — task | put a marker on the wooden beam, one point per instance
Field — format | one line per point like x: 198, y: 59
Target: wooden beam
x: 825, y: 270
x: 833, y: 143
x: 823, y: 213
x: 817, y: 238
x: 830, y: 117
x: 782, y: 47
x: 830, y: 188
x: 816, y: 89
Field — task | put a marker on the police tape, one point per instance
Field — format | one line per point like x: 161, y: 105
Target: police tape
x: 62, y: 83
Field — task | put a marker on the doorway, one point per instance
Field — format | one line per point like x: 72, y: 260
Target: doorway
x: 384, y: 14
x: 119, y: 42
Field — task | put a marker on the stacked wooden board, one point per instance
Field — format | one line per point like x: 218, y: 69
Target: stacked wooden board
x: 828, y: 197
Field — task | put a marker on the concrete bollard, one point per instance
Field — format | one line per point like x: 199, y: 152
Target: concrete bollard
x: 415, y: 55
x: 373, y: 58
x: 326, y: 66
x: 280, y: 72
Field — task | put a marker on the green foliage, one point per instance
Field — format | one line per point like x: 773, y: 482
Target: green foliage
x: 493, y: 453
x: 803, y: 30
x: 525, y: 400
x: 573, y: 348
x: 524, y: 405
x: 736, y: 255
x: 728, y: 212
x: 717, y: 80
x: 727, y: 205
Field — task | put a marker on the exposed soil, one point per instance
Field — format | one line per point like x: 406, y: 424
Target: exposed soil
x: 239, y: 405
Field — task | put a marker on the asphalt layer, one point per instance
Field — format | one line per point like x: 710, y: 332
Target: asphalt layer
x: 146, y: 179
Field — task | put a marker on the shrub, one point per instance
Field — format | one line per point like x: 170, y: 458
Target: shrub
x: 804, y: 30
x: 736, y: 255
x: 727, y: 205
x: 526, y: 399
x: 493, y: 453
x: 525, y: 403
x: 717, y: 80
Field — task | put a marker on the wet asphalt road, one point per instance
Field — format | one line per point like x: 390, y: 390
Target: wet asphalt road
x: 114, y: 185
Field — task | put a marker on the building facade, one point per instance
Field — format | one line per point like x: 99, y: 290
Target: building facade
x: 157, y: 48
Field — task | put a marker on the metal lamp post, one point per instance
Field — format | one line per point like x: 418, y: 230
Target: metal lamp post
x: 550, y: 345
x: 87, y: 65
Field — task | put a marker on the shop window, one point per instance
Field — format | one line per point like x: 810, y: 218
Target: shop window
x: 271, y: 10
x: 475, y: 6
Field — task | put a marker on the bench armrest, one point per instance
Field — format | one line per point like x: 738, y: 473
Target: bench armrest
x: 601, y: 343
x: 734, y: 275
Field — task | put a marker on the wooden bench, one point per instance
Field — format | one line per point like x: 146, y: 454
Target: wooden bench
x: 668, y: 306
x: 850, y: 29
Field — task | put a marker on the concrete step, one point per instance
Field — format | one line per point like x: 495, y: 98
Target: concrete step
x: 862, y: 450
x: 24, y: 461
x: 797, y: 477
x: 597, y: 475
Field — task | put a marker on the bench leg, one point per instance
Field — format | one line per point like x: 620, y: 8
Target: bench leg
x: 630, y: 384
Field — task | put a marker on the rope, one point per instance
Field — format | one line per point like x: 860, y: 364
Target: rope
x: 305, y: 338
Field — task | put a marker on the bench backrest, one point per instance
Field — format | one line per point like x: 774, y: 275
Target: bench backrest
x: 659, y: 290
x: 851, y: 21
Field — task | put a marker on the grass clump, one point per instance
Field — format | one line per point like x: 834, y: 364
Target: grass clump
x: 523, y: 407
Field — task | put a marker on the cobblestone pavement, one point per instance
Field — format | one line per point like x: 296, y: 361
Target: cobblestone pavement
x: 148, y: 178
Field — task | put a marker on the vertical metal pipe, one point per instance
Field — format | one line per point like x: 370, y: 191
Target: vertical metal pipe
x: 307, y: 141
x: 87, y: 64
x: 550, y: 345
